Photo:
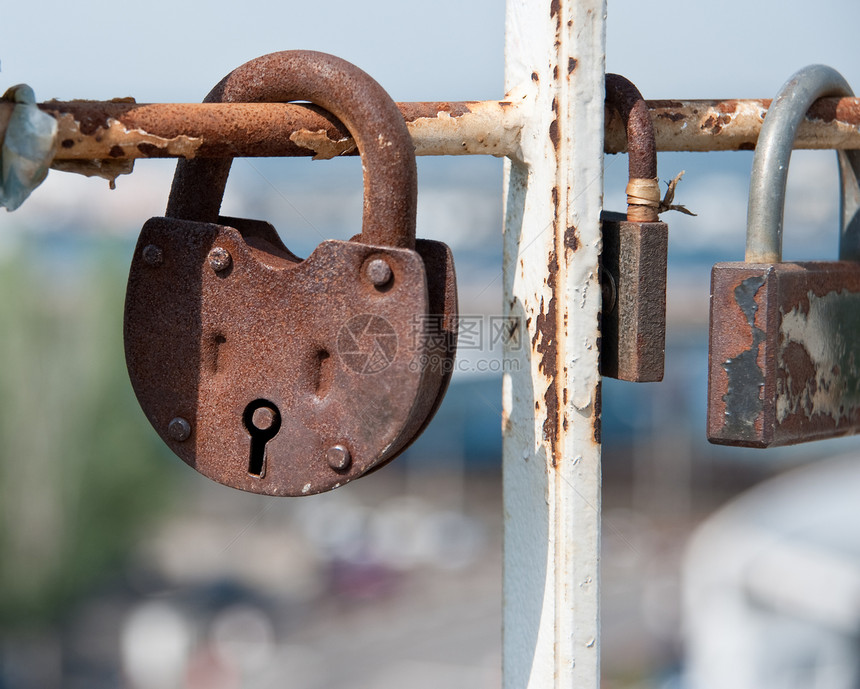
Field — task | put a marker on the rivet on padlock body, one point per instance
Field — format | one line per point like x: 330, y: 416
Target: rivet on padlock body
x: 784, y: 358
x: 633, y: 260
x: 277, y: 363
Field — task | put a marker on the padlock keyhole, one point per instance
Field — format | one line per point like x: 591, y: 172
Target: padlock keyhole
x: 263, y: 421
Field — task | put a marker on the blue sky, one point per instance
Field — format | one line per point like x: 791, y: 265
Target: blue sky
x: 445, y: 50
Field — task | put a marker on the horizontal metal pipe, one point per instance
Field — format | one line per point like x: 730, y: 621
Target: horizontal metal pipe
x: 734, y: 125
x: 119, y: 130
x: 102, y: 130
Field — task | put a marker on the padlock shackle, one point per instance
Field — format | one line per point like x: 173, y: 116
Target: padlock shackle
x: 351, y: 95
x: 772, y: 155
x: 643, y: 187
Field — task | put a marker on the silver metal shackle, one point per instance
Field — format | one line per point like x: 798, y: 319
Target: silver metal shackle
x: 770, y: 167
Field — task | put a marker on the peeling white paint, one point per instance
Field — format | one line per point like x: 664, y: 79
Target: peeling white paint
x: 827, y: 337
x: 106, y: 142
x: 709, y: 125
x: 489, y: 128
x: 322, y: 146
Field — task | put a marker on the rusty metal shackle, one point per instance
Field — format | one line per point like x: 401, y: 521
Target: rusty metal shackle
x: 643, y: 187
x: 351, y: 95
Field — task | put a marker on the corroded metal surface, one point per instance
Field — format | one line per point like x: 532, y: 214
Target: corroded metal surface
x: 784, y: 352
x: 785, y: 337
x: 120, y: 130
x: 625, y: 99
x: 551, y: 386
x: 338, y: 358
x: 734, y: 125
x: 390, y: 176
x: 293, y: 377
x: 92, y: 130
x: 633, y: 328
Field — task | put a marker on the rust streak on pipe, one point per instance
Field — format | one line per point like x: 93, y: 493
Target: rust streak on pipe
x: 734, y: 125
x: 96, y: 130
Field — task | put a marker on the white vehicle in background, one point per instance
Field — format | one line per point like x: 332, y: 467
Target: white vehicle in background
x: 772, y: 585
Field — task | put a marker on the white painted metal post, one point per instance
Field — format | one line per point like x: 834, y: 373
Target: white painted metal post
x: 551, y: 422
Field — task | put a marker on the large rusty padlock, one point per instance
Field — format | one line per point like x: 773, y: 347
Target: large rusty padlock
x: 283, y: 376
x: 784, y: 359
x: 633, y: 261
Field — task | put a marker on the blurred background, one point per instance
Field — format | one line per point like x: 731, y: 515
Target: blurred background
x: 122, y: 568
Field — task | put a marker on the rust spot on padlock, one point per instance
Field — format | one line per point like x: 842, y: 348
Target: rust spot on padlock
x: 285, y: 368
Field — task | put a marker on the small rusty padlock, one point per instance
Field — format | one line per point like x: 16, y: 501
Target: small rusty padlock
x: 633, y: 323
x: 784, y: 359
x: 284, y: 376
